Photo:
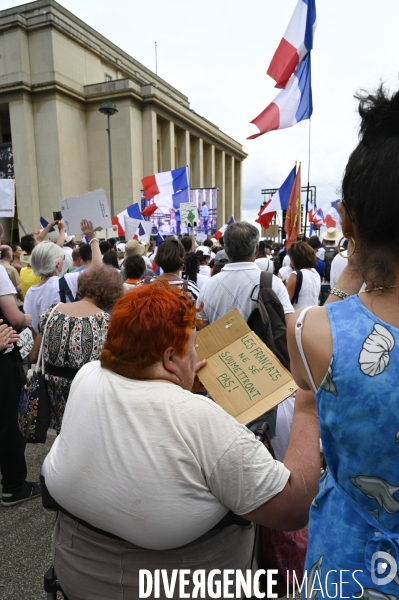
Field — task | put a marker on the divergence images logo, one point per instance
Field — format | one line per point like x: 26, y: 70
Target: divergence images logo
x: 384, y: 564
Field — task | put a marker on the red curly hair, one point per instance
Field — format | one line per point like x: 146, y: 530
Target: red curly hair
x: 144, y: 323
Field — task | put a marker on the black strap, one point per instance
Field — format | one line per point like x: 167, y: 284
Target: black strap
x: 67, y: 372
x: 298, y: 286
x: 65, y: 291
x: 266, y: 279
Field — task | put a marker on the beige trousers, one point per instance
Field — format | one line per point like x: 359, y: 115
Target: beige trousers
x: 91, y: 566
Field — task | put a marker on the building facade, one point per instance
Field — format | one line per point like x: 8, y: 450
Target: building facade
x: 55, y: 71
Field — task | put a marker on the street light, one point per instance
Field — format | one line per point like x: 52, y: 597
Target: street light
x: 109, y: 109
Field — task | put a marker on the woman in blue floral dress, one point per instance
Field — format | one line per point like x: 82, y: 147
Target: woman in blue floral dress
x: 75, y: 333
x: 349, y: 352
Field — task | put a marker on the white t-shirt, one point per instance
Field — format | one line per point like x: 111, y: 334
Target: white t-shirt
x: 39, y: 297
x: 285, y: 272
x: 310, y: 289
x: 167, y: 467
x: 72, y: 281
x: 67, y: 257
x: 265, y: 264
x: 233, y: 287
x: 337, y: 266
x: 6, y: 288
x: 205, y: 270
x: 286, y: 261
x: 201, y: 280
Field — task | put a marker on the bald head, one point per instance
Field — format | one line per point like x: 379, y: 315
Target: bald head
x: 6, y: 253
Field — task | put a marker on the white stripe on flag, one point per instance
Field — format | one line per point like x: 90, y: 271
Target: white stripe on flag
x: 288, y: 101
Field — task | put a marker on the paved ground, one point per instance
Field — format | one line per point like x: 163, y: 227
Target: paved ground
x: 25, y: 538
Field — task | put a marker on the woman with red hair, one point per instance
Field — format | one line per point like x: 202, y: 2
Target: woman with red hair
x: 148, y: 475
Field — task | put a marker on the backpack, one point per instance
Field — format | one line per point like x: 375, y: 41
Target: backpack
x: 65, y: 291
x: 267, y: 320
x: 330, y: 253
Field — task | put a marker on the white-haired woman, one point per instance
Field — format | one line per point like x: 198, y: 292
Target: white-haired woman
x: 47, y: 261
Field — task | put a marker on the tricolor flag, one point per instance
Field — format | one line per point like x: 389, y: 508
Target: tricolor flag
x: 222, y: 230
x: 44, y: 224
x: 281, y: 198
x: 296, y: 43
x: 327, y: 216
x: 150, y: 209
x: 291, y: 105
x: 292, y: 225
x: 132, y: 211
x: 142, y: 233
x: 168, y: 189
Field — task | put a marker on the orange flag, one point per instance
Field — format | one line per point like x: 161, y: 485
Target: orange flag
x: 292, y: 225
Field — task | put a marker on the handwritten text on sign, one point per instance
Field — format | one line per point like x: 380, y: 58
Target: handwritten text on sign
x: 240, y: 370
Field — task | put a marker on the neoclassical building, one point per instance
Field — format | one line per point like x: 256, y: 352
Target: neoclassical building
x: 55, y: 71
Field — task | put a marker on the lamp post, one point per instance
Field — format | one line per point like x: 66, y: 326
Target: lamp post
x: 109, y: 109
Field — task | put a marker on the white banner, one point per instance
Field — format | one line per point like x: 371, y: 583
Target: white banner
x: 92, y: 206
x: 7, y: 197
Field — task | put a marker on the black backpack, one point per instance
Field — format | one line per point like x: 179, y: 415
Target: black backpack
x: 330, y: 253
x: 267, y: 320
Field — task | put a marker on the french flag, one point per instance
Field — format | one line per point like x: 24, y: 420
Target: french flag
x: 44, y: 224
x: 132, y: 211
x: 142, y: 232
x: 222, y: 230
x: 281, y: 198
x: 168, y: 189
x: 293, y: 104
x: 296, y: 43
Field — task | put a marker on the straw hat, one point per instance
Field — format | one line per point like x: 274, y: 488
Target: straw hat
x: 134, y: 247
x: 332, y: 235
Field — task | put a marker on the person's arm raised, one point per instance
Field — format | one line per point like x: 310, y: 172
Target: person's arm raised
x: 61, y: 235
x: 40, y: 236
x: 87, y: 230
x: 289, y: 510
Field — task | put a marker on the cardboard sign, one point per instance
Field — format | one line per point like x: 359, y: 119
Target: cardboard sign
x: 189, y: 213
x: 92, y: 206
x: 242, y: 375
x: 25, y: 342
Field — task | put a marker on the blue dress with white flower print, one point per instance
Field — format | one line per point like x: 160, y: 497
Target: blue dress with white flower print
x: 356, y: 512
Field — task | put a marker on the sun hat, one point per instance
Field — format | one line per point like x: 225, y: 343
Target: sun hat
x: 332, y: 235
x: 134, y: 247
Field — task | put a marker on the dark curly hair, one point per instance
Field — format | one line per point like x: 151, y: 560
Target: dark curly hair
x: 103, y: 284
x: 370, y: 186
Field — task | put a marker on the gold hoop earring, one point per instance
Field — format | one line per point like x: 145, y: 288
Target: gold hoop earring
x: 353, y: 244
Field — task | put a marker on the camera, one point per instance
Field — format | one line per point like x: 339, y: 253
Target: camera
x: 57, y: 215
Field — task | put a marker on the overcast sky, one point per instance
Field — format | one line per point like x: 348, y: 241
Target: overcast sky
x: 217, y: 52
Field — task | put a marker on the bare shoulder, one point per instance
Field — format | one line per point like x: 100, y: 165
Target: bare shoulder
x: 317, y: 346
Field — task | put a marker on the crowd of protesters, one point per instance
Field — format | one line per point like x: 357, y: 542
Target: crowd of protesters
x: 147, y: 471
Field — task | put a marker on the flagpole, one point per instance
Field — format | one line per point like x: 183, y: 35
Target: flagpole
x: 308, y: 185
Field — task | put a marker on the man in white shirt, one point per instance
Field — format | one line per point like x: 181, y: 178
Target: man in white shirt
x: 237, y: 285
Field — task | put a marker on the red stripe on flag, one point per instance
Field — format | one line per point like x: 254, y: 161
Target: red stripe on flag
x: 268, y: 120
x: 283, y: 63
x: 115, y: 221
x: 149, y: 210
x: 150, y: 187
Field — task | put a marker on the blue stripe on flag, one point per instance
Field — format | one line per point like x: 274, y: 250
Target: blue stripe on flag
x: 286, y: 188
x: 141, y: 230
x: 133, y: 212
x: 303, y: 72
x: 181, y: 196
x: 310, y: 21
x: 159, y: 240
x: 180, y: 179
x: 44, y: 224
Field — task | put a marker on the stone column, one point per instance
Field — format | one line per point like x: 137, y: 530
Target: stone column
x: 197, y: 163
x: 183, y: 149
x: 25, y: 166
x: 237, y: 190
x: 229, y: 202
x: 150, y: 161
x: 168, y: 145
x: 209, y: 165
x: 221, y: 185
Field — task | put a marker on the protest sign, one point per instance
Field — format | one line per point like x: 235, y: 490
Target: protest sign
x: 189, y: 213
x: 242, y: 375
x: 7, y: 197
x: 25, y: 342
x: 92, y: 206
